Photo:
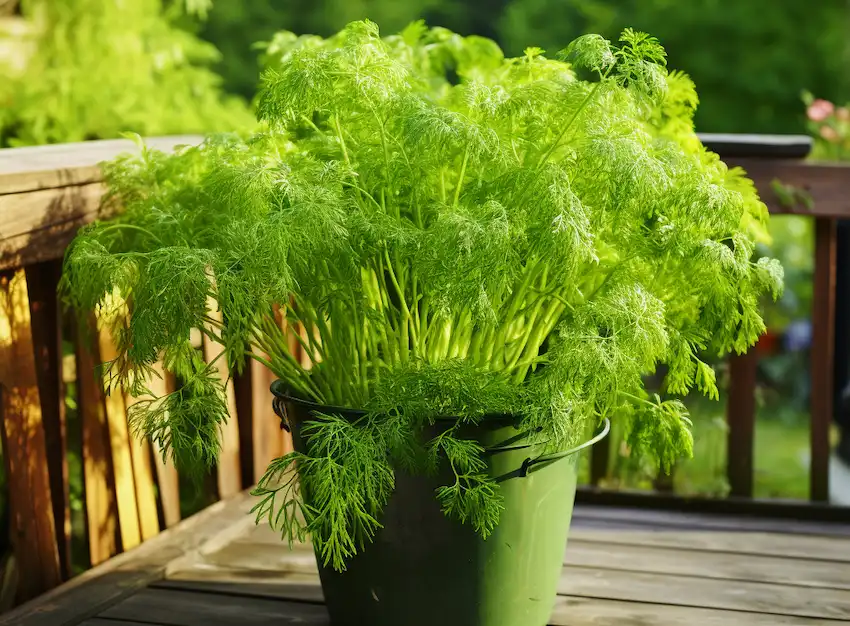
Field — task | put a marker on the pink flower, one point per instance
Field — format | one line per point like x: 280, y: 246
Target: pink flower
x: 843, y: 114
x: 819, y: 110
x: 829, y: 133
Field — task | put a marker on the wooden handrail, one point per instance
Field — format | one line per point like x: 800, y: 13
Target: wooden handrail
x: 47, y: 193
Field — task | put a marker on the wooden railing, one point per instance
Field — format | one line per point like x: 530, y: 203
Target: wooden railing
x: 129, y: 495
x: 826, y: 188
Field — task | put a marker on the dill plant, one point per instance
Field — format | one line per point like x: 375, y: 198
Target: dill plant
x: 530, y: 239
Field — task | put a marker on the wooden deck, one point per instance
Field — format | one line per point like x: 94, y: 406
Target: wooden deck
x: 623, y: 567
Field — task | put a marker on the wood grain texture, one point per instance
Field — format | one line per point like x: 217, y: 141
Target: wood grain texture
x: 259, y: 427
x: 187, y: 608
x: 610, y: 578
x: 168, y: 482
x: 744, y: 544
x: 632, y: 551
x: 572, y: 611
x: 143, y: 477
x: 741, y: 418
x: 37, y: 226
x: 48, y: 192
x: 46, y: 167
x: 823, y: 355
x: 643, y: 516
x: 680, y: 561
x: 122, y: 456
x: 42, y: 283
x: 98, y: 476
x: 678, y: 576
x: 90, y: 593
x: 825, y: 183
x: 32, y: 527
x: 246, y: 564
x: 568, y: 610
x: 229, y: 469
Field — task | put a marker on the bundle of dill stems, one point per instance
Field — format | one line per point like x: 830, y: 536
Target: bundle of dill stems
x: 461, y: 234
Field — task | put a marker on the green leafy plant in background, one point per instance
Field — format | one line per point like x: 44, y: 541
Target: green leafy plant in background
x: 241, y: 29
x: 93, y: 69
x: 518, y: 241
x: 751, y: 59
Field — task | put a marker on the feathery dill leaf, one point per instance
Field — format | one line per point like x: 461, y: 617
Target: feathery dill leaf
x: 520, y: 242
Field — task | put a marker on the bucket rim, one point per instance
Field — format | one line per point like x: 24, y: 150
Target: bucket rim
x: 280, y: 391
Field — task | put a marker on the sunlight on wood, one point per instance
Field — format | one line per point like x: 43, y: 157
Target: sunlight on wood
x: 229, y: 469
x: 32, y: 524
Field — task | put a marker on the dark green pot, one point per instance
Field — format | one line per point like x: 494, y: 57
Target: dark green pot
x: 425, y: 570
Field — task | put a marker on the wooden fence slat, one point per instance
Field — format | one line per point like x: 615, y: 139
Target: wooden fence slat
x: 741, y: 417
x: 143, y: 477
x: 42, y: 282
x: 258, y: 425
x: 122, y: 457
x: 294, y: 349
x: 31, y: 511
x: 166, y: 474
x: 823, y: 354
x: 229, y: 470
x: 98, y: 477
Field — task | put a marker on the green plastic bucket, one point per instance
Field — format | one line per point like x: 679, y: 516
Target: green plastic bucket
x: 425, y: 570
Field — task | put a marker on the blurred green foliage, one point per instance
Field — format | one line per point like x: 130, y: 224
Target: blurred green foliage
x: 750, y: 59
x: 92, y: 69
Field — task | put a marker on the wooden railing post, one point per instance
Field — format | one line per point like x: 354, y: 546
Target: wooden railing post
x: 741, y: 418
x: 42, y: 283
x: 32, y: 529
x: 823, y: 355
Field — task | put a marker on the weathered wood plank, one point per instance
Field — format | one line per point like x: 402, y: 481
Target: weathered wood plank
x: 42, y: 283
x: 823, y: 354
x: 31, y: 510
x: 122, y: 460
x: 60, y: 165
x: 91, y: 592
x: 676, y: 559
x: 229, y: 469
x: 38, y: 226
x: 98, y: 477
x: 825, y: 183
x: 143, y: 478
x: 720, y: 565
x: 99, y: 621
x: 568, y: 610
x: 259, y: 563
x: 743, y: 543
x: 741, y: 418
x: 746, y: 541
x: 260, y: 438
x: 167, y: 478
x: 661, y: 520
x: 615, y: 575
x: 747, y: 596
x: 187, y: 608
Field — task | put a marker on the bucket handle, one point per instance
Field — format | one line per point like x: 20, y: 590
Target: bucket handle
x: 550, y: 458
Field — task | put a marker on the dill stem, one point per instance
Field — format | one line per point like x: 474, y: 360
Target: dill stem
x: 461, y: 176
x: 404, y: 338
